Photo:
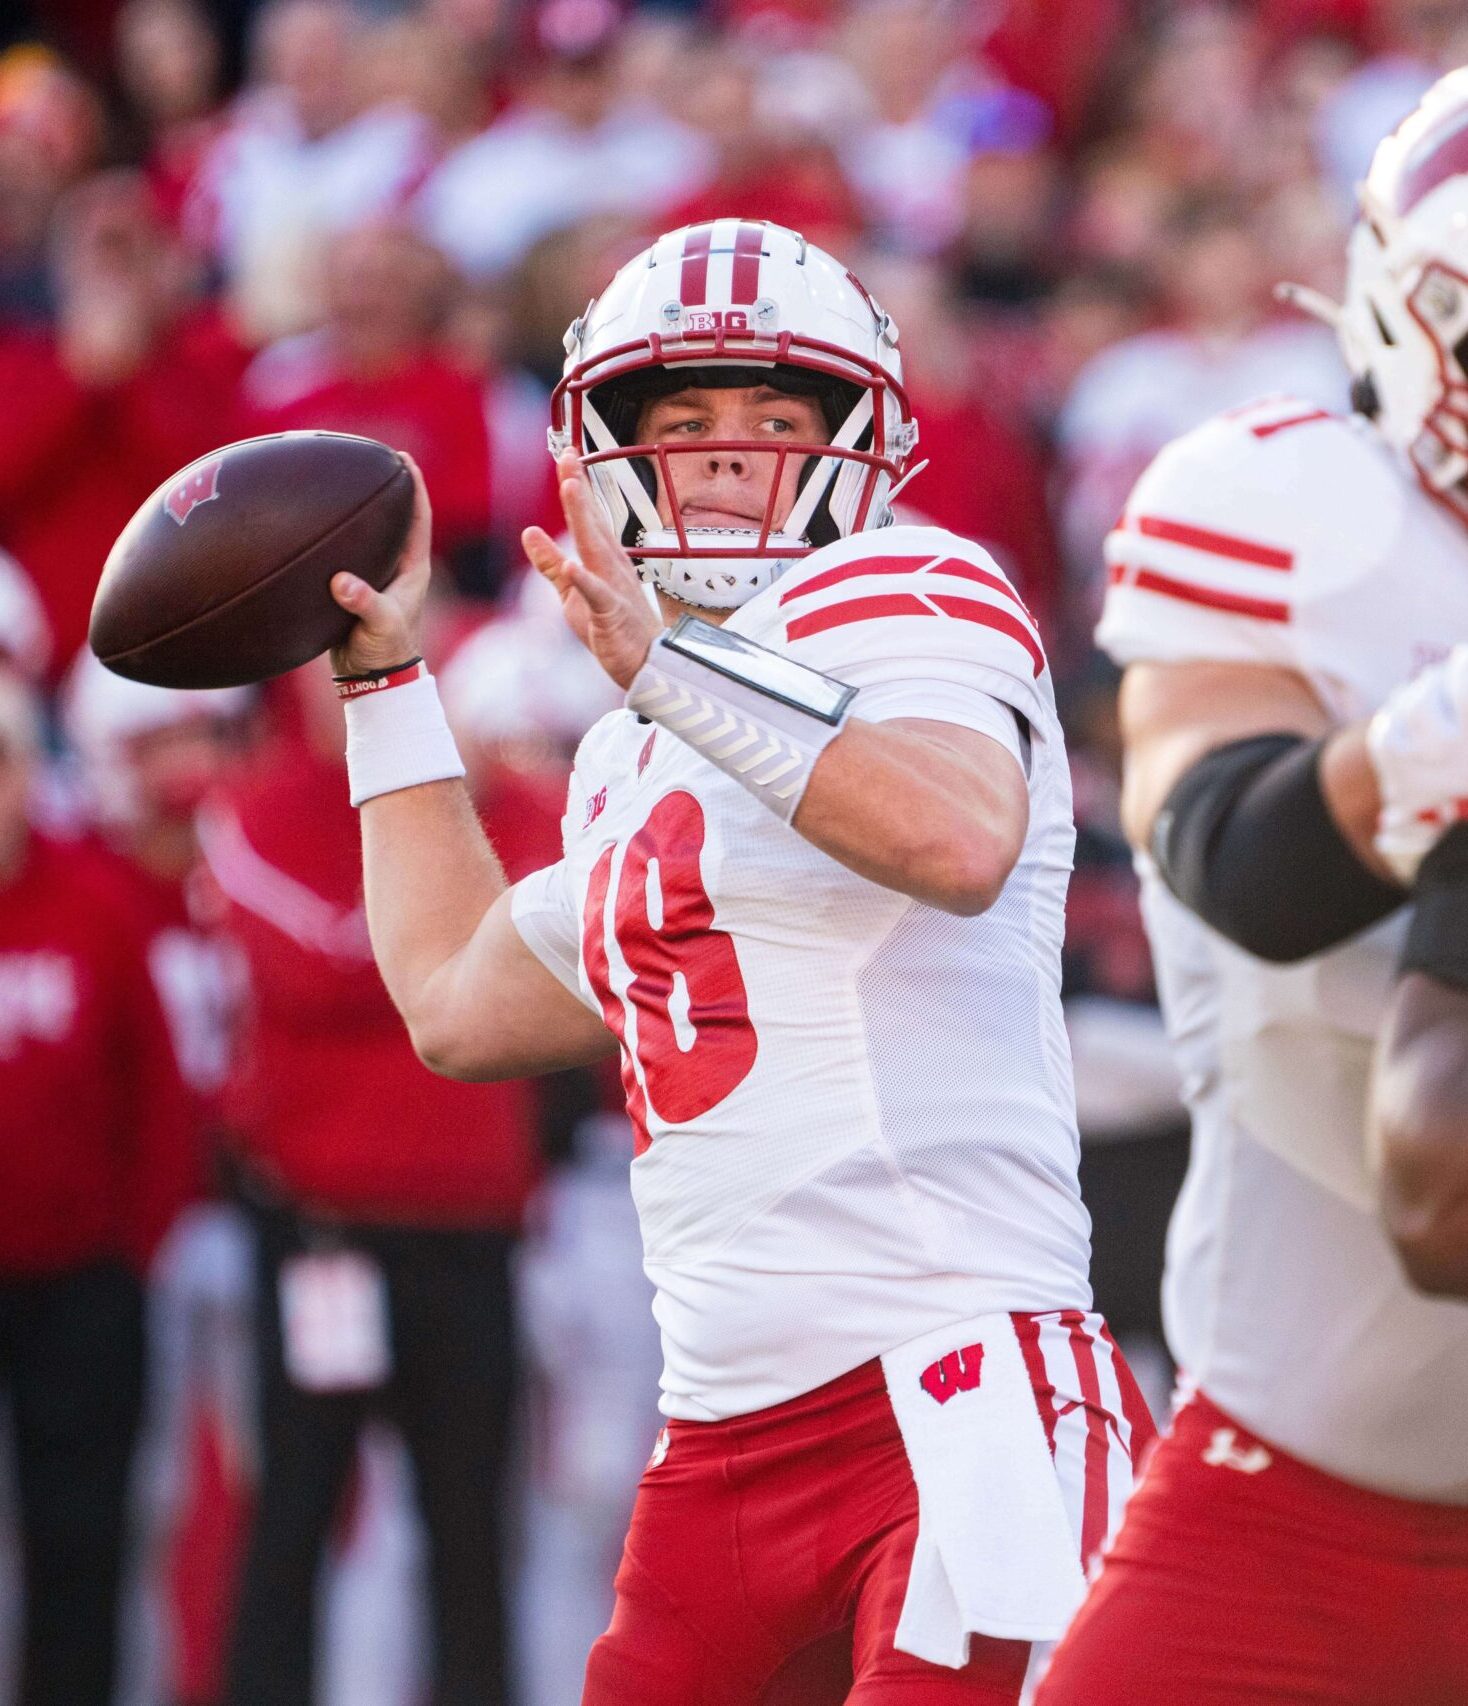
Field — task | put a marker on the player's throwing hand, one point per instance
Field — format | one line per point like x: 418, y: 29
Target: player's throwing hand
x: 602, y: 597
x: 389, y: 623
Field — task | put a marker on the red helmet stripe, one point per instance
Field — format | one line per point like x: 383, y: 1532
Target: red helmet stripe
x: 749, y: 243
x: 1439, y: 158
x: 693, y: 288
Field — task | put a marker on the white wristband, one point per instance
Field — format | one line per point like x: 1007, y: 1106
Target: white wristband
x: 398, y: 739
x: 753, y: 713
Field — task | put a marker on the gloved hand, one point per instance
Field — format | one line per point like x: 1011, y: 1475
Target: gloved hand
x: 1418, y: 742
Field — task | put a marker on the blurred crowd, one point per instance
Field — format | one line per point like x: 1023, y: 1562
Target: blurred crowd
x: 273, y: 1252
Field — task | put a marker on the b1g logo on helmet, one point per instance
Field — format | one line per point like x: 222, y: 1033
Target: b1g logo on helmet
x: 715, y: 319
x: 198, y: 486
x: 761, y: 316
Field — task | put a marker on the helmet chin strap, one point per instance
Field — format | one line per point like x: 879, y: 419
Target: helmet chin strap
x: 715, y: 583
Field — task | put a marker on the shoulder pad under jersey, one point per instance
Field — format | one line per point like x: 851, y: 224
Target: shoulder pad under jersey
x: 907, y: 603
x: 1244, y: 537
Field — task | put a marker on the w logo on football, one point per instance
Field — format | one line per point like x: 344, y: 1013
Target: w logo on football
x: 956, y: 1372
x: 197, y: 487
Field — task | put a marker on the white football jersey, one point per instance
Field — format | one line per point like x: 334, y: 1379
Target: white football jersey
x: 856, y: 1113
x: 1283, y: 535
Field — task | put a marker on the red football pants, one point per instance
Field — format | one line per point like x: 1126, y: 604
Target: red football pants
x: 768, y: 1556
x: 1242, y: 1576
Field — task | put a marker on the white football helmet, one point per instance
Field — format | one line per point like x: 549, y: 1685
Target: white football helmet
x: 735, y: 302
x: 1404, y: 324
x: 102, y: 712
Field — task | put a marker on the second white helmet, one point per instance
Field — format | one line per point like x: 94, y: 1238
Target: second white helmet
x: 1404, y: 324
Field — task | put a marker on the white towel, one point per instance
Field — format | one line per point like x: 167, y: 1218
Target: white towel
x: 995, y: 1552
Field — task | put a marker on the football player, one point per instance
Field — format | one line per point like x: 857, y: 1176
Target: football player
x: 1420, y: 1114
x: 813, y: 888
x: 1289, y: 595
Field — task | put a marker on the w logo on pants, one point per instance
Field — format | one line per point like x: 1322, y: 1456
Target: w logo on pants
x: 956, y: 1372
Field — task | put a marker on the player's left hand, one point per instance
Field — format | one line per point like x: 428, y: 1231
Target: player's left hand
x: 1418, y: 742
x: 603, y: 599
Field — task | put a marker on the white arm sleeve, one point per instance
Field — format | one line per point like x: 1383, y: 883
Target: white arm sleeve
x: 946, y: 702
x: 544, y: 913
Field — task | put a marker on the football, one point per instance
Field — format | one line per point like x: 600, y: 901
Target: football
x: 223, y: 577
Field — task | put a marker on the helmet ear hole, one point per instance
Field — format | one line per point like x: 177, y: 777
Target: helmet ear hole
x: 1364, y: 400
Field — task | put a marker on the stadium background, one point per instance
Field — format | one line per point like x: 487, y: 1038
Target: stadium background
x: 219, y: 219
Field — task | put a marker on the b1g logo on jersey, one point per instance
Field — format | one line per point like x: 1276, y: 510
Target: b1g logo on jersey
x: 199, y: 486
x: 957, y: 1372
x: 595, y: 806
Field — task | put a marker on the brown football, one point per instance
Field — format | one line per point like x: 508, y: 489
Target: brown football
x: 223, y: 577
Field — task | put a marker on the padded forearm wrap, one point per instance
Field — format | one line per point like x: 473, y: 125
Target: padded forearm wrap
x: 1246, y: 841
x: 1437, y: 939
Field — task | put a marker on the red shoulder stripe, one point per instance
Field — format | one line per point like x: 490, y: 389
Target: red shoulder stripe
x: 1237, y: 604
x: 856, y: 610
x: 907, y: 604
x: 1205, y: 539
x: 990, y: 616
x: 1268, y: 428
x: 854, y: 571
x: 955, y: 566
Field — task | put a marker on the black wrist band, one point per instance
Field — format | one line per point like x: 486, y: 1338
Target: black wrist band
x: 1437, y: 938
x: 376, y: 674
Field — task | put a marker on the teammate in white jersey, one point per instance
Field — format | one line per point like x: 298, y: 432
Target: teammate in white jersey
x: 1289, y: 595
x: 813, y: 886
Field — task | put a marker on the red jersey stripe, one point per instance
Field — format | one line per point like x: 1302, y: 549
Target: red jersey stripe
x: 990, y: 616
x: 1141, y: 1430
x: 693, y: 283
x: 1205, y: 539
x: 856, y: 610
x: 1096, y: 1502
x: 1236, y: 603
x: 908, y: 604
x: 748, y: 244
x: 854, y: 571
x: 1269, y: 428
x: 1027, y: 1330
x: 954, y: 566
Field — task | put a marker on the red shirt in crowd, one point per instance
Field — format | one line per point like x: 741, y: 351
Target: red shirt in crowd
x: 75, y: 462
x: 331, y: 1106
x: 97, y: 1149
x: 423, y: 406
x: 800, y: 187
x: 196, y: 969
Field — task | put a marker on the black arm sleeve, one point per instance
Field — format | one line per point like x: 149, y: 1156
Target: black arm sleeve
x: 1437, y: 938
x: 1246, y: 840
